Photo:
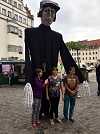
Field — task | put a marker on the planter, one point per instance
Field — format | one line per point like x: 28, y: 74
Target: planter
x: 85, y: 73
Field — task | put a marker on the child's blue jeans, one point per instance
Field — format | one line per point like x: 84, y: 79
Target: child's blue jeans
x: 69, y: 100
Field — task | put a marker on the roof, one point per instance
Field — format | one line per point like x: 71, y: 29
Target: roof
x: 93, y: 43
x: 28, y: 12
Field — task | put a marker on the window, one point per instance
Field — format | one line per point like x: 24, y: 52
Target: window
x: 24, y: 21
x: 14, y: 48
x: 5, y: 0
x: 79, y: 53
x: 20, y: 19
x: 83, y: 58
x: 10, y: 2
x: 83, y: 53
x: 10, y: 29
x: 86, y: 58
x: 93, y: 58
x: 16, y: 17
x: 10, y: 48
x: 3, y: 11
x: 96, y: 52
x: 89, y: 58
x: 93, y: 52
x: 20, y: 50
x: 20, y: 33
x: 19, y: 6
x: 3, y: 58
x: 16, y: 30
x: 15, y: 4
x: 9, y: 14
x: 89, y: 53
x: 86, y: 53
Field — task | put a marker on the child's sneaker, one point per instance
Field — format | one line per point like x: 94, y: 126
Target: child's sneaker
x: 64, y: 119
x: 71, y: 119
x: 52, y: 122
x: 34, y: 126
x: 58, y: 120
x: 39, y: 124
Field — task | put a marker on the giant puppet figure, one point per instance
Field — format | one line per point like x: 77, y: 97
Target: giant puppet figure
x: 44, y: 43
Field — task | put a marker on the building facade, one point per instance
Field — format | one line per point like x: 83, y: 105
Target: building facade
x: 14, y: 18
x: 90, y: 54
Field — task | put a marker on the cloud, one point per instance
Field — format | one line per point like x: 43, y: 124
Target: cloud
x: 76, y: 20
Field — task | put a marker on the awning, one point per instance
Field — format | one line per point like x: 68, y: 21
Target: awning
x: 12, y: 61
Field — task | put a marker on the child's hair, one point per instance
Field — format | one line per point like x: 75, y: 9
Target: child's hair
x: 54, y: 68
x: 37, y: 71
x: 71, y: 68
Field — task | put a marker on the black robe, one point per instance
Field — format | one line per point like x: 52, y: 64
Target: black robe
x: 44, y: 43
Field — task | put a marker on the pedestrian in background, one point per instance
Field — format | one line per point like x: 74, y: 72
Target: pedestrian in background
x: 71, y: 84
x: 53, y: 94
x: 38, y: 89
x: 98, y: 78
x: 11, y: 77
x: 63, y: 73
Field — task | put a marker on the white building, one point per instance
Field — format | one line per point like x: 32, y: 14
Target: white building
x: 14, y: 18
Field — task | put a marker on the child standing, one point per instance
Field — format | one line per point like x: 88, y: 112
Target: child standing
x: 71, y: 83
x: 53, y: 94
x: 38, y: 89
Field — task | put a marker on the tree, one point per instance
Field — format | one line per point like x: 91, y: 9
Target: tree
x: 75, y: 46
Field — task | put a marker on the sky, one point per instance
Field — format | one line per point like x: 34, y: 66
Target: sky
x: 76, y: 20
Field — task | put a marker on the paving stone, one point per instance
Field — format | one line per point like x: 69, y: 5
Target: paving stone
x: 15, y: 118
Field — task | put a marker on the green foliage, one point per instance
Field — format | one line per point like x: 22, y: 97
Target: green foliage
x: 74, y: 45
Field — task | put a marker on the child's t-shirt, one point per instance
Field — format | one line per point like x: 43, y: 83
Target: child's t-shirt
x: 54, y: 86
x: 71, y: 82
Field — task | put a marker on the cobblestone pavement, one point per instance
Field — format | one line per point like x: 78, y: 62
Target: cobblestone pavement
x: 16, y: 119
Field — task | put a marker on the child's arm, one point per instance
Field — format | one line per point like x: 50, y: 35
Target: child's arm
x: 47, y: 96
x: 70, y: 91
x: 76, y: 88
x: 77, y: 80
x: 39, y: 84
x: 66, y: 87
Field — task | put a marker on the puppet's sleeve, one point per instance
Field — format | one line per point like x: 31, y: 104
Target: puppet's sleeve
x: 28, y: 67
x: 68, y: 61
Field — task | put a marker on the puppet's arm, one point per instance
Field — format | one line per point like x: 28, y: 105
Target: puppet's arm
x: 28, y: 66
x: 68, y: 61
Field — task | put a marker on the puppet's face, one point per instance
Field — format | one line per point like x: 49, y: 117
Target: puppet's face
x: 48, y: 15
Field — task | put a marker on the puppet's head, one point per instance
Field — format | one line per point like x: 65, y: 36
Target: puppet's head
x: 47, y: 11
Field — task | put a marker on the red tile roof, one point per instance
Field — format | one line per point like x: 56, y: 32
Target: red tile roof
x: 28, y: 12
x: 93, y: 43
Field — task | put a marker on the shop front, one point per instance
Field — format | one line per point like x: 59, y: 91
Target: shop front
x: 18, y: 67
